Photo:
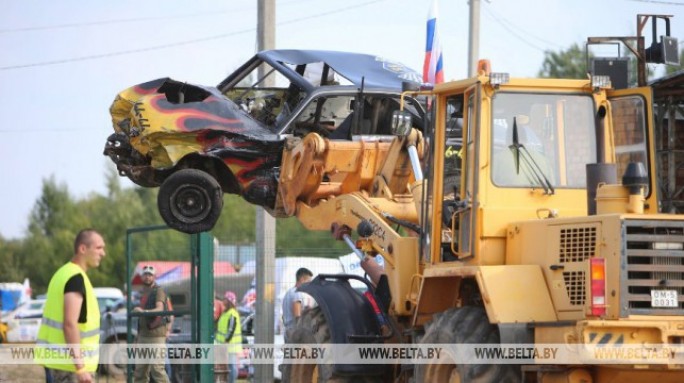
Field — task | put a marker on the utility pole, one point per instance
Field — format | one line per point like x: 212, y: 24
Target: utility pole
x: 265, y: 223
x: 474, y: 37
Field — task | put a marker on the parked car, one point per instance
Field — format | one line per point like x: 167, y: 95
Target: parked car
x: 108, y: 297
x: 198, y: 142
x: 248, y: 338
x: 24, y: 322
x: 113, y: 327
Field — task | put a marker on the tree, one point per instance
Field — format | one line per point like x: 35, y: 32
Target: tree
x: 13, y: 264
x: 570, y: 63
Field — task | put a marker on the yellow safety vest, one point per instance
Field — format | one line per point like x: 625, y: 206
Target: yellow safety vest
x: 235, y: 343
x: 51, y: 349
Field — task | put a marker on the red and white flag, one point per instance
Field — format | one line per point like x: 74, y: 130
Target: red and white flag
x: 432, y: 67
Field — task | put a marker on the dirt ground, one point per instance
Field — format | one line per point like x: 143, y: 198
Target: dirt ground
x: 28, y: 373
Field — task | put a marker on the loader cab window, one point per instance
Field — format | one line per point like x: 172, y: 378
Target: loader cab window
x: 542, y: 140
x: 629, y: 125
x: 454, y: 142
x: 452, y: 175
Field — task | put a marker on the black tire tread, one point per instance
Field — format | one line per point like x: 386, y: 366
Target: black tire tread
x: 312, y: 328
x: 201, y: 179
x: 466, y: 325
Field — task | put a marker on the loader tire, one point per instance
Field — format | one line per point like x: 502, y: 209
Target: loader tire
x: 463, y: 326
x: 312, y: 328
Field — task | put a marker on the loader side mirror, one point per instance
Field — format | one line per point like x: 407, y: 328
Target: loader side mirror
x: 401, y: 123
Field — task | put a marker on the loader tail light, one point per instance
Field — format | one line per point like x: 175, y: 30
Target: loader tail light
x: 598, y: 286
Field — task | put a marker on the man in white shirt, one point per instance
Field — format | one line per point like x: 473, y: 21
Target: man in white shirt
x: 295, y: 301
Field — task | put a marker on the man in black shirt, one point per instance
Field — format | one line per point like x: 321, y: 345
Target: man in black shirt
x: 71, y: 315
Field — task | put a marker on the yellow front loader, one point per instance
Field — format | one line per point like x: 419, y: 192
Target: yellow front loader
x: 526, y: 213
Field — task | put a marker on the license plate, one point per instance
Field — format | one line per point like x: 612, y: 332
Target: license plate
x: 664, y: 298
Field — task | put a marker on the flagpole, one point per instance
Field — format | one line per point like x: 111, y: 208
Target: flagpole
x: 474, y: 37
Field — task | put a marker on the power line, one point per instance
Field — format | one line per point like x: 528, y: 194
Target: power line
x: 114, y: 21
x: 514, y: 33
x: 658, y: 2
x: 502, y: 20
x: 136, y: 19
x: 180, y: 43
x: 55, y: 130
x: 126, y: 52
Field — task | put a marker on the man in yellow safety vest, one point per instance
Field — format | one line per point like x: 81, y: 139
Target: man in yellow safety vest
x: 229, y: 330
x: 69, y: 334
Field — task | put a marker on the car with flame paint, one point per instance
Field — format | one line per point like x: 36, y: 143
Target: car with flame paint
x: 198, y: 142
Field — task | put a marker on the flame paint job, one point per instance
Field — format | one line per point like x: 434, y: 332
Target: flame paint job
x: 164, y: 131
x: 164, y: 125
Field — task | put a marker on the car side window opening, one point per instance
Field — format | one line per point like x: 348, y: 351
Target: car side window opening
x: 269, y: 98
x: 323, y: 115
x: 333, y: 116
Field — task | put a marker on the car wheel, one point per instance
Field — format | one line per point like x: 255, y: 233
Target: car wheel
x: 113, y: 360
x: 190, y: 201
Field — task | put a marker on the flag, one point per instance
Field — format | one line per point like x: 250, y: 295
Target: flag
x: 432, y: 67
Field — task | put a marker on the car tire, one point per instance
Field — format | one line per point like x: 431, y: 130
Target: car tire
x: 113, y: 360
x: 190, y: 201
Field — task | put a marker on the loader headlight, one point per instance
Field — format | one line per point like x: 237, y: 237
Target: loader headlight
x: 600, y: 81
x: 401, y: 123
x: 499, y: 78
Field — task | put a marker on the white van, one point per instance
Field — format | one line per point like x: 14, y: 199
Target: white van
x: 285, y: 278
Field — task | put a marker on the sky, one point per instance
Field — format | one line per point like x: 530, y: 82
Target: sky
x: 63, y: 62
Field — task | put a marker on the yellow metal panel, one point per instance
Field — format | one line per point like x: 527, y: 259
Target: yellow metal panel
x: 515, y: 294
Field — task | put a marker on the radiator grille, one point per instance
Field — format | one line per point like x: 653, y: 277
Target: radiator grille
x: 649, y: 264
x: 577, y: 244
x: 574, y: 285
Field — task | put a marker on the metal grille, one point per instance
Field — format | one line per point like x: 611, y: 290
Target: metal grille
x: 574, y: 285
x: 652, y: 260
x: 577, y: 244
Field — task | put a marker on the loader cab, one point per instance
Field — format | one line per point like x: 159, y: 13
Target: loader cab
x: 515, y: 151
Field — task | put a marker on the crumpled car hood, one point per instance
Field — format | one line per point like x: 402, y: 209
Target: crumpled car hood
x: 166, y: 120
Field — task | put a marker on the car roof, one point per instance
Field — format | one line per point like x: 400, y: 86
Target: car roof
x: 108, y: 292
x: 373, y: 70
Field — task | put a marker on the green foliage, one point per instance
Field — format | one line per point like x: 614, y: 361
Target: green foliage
x: 570, y: 63
x: 293, y: 239
x: 237, y: 222
x: 57, y: 216
x: 669, y: 69
x: 10, y: 258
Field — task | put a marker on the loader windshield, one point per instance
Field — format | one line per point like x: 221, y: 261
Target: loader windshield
x: 557, y: 132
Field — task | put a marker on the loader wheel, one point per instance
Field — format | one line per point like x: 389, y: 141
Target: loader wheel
x: 462, y: 326
x: 190, y: 201
x: 312, y: 328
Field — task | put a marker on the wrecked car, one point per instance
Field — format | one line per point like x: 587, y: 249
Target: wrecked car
x: 198, y: 142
